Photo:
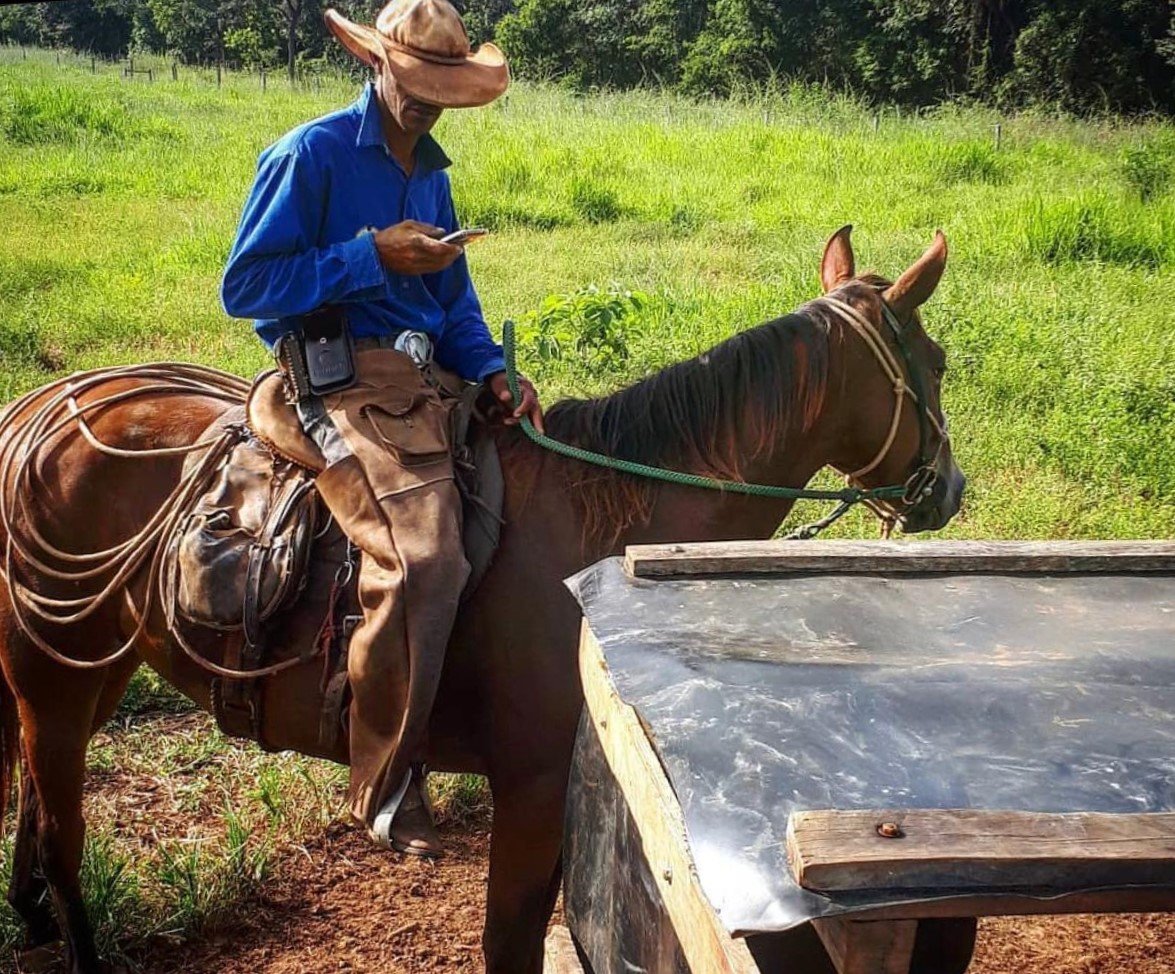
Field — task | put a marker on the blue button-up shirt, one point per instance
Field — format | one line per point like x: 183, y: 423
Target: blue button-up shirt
x: 305, y: 240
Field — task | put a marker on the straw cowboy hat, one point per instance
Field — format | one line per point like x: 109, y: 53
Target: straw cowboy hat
x: 424, y: 44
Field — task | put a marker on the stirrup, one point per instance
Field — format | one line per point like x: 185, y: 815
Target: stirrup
x: 381, y: 828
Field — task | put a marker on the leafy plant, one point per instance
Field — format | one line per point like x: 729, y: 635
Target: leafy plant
x: 591, y: 324
x: 202, y: 880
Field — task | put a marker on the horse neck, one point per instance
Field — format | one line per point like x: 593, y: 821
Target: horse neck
x: 689, y: 514
x: 695, y: 514
x: 778, y: 448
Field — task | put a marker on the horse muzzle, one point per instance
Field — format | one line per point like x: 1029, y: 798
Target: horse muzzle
x: 934, y: 500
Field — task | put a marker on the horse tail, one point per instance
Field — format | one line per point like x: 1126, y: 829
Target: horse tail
x: 9, y: 745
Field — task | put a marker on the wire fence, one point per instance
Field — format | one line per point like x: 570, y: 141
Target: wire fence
x: 146, y: 68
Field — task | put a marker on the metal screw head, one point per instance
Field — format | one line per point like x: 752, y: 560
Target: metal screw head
x: 668, y: 875
x: 890, y: 830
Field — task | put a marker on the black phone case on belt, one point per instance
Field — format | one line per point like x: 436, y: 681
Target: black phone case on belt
x: 330, y: 359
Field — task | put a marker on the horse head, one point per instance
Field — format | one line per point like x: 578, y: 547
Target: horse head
x: 891, y: 428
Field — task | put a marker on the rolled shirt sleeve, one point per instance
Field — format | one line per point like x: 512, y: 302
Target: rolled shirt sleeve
x: 275, y: 268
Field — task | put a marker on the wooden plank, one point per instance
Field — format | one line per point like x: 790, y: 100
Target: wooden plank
x: 707, y: 947
x: 967, y: 849
x: 871, y: 947
x: 559, y: 955
x: 975, y: 557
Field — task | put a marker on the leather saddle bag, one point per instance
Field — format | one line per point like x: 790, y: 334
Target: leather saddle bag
x: 241, y: 554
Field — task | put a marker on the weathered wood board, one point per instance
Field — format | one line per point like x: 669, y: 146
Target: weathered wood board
x: 613, y: 753
x: 559, y: 955
x: 966, y: 849
x: 832, y: 557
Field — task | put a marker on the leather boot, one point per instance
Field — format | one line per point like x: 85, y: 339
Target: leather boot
x: 409, y: 828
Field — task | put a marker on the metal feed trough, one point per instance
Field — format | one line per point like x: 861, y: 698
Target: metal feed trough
x: 833, y: 756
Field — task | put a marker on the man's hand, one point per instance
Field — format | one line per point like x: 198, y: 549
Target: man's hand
x: 411, y: 248
x: 529, y: 406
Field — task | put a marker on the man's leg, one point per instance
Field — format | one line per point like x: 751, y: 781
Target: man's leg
x: 412, y: 572
x: 396, y: 658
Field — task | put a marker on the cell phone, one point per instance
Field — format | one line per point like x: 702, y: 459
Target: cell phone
x: 461, y: 238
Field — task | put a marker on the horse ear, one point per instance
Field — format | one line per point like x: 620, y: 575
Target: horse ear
x: 839, y: 266
x: 914, y: 288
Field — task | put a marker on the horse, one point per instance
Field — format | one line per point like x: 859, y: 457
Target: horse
x: 774, y: 404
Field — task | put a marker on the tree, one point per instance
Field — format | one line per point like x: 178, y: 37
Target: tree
x: 293, y: 12
x: 482, y: 17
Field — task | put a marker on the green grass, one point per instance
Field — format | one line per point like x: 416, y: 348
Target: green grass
x: 631, y: 231
x: 120, y: 199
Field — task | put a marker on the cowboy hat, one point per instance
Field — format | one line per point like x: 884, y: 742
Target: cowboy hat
x: 424, y: 44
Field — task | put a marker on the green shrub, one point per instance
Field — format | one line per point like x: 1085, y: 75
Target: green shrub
x: 591, y: 325
x: 148, y: 693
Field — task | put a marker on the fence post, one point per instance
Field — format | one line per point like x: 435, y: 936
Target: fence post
x: 217, y: 74
x: 263, y: 79
x: 58, y: 57
x: 150, y: 74
x: 175, y: 72
x: 876, y: 122
x: 999, y: 136
x: 93, y: 64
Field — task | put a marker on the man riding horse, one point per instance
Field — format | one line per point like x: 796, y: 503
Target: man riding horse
x: 341, y: 230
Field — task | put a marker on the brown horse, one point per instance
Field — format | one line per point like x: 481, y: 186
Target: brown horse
x: 774, y: 404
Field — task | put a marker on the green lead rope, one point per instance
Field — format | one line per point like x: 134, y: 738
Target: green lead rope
x: 847, y: 497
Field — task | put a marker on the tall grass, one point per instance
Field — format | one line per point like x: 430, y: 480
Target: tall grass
x: 120, y: 199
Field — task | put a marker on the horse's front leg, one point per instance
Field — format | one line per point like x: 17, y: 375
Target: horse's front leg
x: 526, y: 867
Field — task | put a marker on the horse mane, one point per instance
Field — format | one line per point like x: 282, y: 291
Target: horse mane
x: 712, y: 414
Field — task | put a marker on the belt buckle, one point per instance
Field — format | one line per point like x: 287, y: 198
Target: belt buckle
x: 416, y: 345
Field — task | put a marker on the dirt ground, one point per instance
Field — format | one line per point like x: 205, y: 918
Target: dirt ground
x: 341, y: 905
x: 334, y: 903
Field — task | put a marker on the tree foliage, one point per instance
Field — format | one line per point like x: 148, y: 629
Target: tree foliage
x: 1078, y: 55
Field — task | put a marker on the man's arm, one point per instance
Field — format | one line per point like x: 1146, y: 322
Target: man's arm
x: 466, y: 346
x: 276, y: 268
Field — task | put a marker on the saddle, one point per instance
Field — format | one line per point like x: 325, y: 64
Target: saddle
x: 259, y: 561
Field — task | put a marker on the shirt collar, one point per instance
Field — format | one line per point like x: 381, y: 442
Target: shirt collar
x: 429, y: 153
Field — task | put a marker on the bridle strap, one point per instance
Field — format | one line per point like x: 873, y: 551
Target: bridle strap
x: 892, y: 369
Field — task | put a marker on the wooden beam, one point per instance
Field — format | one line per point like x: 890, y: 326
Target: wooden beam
x: 888, y: 557
x: 833, y: 851
x: 705, y: 943
x: 870, y: 947
x: 559, y: 954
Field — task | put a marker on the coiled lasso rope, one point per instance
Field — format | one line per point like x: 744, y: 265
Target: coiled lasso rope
x: 56, y: 411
